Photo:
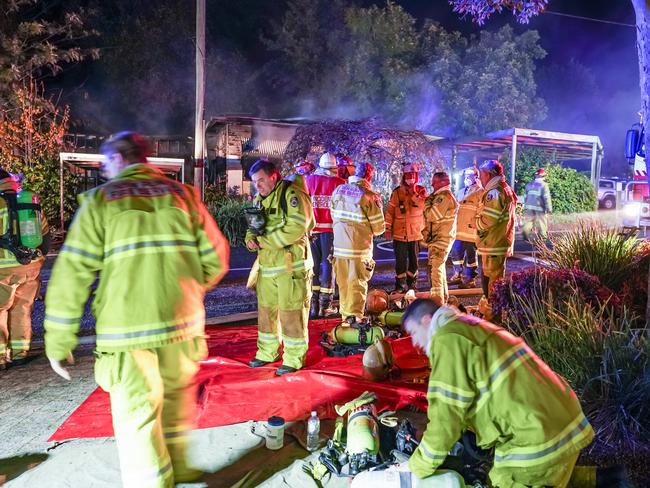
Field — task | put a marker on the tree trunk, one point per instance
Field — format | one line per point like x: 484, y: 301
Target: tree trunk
x: 642, y: 11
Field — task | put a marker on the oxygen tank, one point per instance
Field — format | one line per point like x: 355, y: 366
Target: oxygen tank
x: 362, y: 433
x: 391, y: 319
x: 344, y: 334
x: 29, y: 220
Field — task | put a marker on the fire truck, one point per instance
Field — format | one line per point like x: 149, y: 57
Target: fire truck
x: 636, y: 194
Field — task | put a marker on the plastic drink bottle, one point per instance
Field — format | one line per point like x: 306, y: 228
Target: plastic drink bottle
x: 313, y: 432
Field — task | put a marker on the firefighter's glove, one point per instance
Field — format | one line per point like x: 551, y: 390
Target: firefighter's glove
x: 59, y: 369
x: 365, y: 398
x: 255, y: 220
x: 316, y: 470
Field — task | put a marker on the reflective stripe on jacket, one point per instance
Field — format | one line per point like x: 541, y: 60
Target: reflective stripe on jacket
x: 320, y: 185
x: 405, y: 214
x: 495, y: 219
x: 538, y: 196
x: 357, y: 215
x: 156, y: 249
x: 440, y: 219
x: 488, y: 381
x: 285, y: 242
x: 468, y: 201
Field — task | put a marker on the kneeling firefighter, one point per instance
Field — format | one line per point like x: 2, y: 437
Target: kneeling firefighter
x: 488, y: 381
x: 285, y: 267
x: 24, y: 244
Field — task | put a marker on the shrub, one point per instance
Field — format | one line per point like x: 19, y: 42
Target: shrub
x: 604, y: 357
x: 597, y: 250
x: 514, y: 298
x: 230, y: 218
x: 634, y: 292
x: 571, y: 192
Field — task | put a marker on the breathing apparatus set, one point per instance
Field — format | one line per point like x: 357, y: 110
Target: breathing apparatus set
x: 354, y: 337
x: 355, y: 445
x: 24, y: 218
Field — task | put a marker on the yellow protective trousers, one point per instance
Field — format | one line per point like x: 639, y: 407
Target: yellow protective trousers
x: 438, y: 270
x: 153, y: 394
x: 556, y: 475
x: 493, y: 268
x: 19, y: 286
x: 535, y: 223
x: 283, y: 310
x: 352, y: 276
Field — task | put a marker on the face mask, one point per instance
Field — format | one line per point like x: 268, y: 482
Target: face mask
x: 410, y: 181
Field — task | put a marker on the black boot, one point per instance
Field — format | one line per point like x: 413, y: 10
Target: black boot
x: 325, y: 304
x: 314, y: 310
x: 400, y: 285
x: 411, y: 283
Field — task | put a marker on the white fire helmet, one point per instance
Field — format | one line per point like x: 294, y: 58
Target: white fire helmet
x: 327, y: 161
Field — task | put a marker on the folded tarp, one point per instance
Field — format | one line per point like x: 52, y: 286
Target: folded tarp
x: 230, y: 392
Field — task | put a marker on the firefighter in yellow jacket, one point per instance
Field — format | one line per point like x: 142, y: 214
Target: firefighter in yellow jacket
x: 488, y: 381
x: 285, y: 267
x: 495, y: 223
x: 358, y: 217
x: 439, y: 233
x: 156, y: 250
x: 463, y: 252
x: 19, y: 285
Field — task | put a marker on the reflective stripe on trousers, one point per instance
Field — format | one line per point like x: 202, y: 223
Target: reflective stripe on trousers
x: 153, y: 394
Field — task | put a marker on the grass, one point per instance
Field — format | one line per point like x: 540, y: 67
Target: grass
x: 593, y: 248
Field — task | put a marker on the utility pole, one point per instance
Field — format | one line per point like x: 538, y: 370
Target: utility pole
x: 199, y: 130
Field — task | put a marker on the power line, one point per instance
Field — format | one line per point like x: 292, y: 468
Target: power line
x: 560, y: 14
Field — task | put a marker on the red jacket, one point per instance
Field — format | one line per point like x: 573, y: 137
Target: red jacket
x: 321, y: 185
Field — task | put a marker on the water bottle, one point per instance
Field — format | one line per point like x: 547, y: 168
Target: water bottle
x: 313, y: 432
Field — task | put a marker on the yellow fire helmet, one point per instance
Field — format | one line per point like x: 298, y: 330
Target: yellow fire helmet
x: 378, y: 361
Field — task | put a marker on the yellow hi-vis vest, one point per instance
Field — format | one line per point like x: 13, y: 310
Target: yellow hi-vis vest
x: 495, y: 220
x: 156, y: 250
x: 440, y: 219
x: 357, y: 216
x: 488, y: 381
x: 285, y: 242
x: 468, y: 201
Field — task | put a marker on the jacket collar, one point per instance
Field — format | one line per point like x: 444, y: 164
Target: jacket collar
x: 355, y: 180
x: 494, y: 182
x: 138, y: 168
x: 444, y: 188
x: 441, y: 317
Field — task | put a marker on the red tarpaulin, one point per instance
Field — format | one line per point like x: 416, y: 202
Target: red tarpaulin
x: 230, y: 392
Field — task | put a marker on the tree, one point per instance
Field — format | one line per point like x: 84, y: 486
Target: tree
x: 387, y: 148
x: 35, y: 43
x: 486, y: 83
x: 480, y: 10
x: 354, y: 62
x: 38, y: 39
x: 31, y: 135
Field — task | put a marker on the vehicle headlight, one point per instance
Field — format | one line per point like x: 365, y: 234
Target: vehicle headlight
x: 632, y: 209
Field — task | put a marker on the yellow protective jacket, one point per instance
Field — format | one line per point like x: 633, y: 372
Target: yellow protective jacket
x: 488, y: 381
x: 7, y: 258
x: 285, y: 242
x: 405, y: 214
x: 440, y: 219
x: 495, y: 220
x: 156, y: 249
x: 357, y: 216
x: 468, y: 201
